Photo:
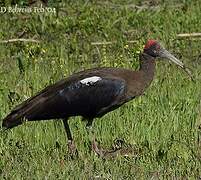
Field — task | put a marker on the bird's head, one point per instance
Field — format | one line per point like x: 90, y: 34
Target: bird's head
x: 154, y: 49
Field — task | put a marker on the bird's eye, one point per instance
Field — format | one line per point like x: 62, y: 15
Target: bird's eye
x: 154, y: 51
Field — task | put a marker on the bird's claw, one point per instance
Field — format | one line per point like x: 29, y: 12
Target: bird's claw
x: 97, y: 149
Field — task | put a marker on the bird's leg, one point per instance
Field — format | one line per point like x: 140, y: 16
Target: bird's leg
x: 94, y: 145
x: 71, y: 145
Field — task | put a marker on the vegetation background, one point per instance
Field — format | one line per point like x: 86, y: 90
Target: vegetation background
x: 162, y: 125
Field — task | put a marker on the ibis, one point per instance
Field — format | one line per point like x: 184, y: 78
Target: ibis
x: 90, y: 93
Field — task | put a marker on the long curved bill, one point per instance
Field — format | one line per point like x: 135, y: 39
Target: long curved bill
x: 165, y: 54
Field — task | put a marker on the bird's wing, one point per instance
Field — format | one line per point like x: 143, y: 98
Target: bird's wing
x: 86, y: 96
x: 93, y: 96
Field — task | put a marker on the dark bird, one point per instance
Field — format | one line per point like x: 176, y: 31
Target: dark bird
x: 91, y: 93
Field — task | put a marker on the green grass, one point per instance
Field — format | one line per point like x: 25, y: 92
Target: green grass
x: 163, y: 123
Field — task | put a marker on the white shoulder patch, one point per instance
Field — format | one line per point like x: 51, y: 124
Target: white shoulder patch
x: 90, y: 80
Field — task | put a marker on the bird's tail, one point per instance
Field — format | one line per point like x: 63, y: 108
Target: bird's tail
x: 19, y: 114
x: 13, y: 119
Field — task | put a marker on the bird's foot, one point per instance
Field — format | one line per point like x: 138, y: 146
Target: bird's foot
x: 97, y: 149
x: 72, y: 149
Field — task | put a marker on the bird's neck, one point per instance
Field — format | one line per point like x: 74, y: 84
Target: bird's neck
x: 147, y: 67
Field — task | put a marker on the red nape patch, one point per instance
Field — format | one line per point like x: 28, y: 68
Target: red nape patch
x: 150, y: 43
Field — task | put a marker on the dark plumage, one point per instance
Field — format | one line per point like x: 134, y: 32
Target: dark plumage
x: 90, y: 93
